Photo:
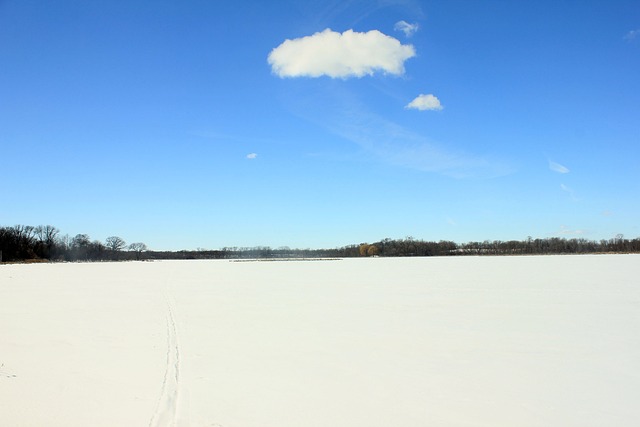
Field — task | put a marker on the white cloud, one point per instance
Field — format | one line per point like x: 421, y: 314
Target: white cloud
x: 252, y: 156
x: 557, y: 167
x: 631, y: 35
x: 425, y: 102
x: 406, y: 28
x: 350, y: 54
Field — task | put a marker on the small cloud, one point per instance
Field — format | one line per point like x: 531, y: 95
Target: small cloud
x: 425, y: 102
x: 251, y: 156
x: 557, y: 167
x: 340, y: 55
x: 632, y: 35
x: 406, y: 28
x: 450, y: 221
x: 607, y: 213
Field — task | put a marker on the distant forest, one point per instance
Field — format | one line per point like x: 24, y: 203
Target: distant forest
x: 23, y: 243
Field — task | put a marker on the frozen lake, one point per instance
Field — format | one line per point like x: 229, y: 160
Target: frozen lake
x: 409, y: 342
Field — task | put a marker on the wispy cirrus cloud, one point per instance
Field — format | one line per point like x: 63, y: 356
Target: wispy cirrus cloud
x: 340, y: 55
x: 407, y: 28
x: 425, y: 102
x: 399, y: 146
x: 569, y: 191
x: 557, y: 167
x: 252, y: 156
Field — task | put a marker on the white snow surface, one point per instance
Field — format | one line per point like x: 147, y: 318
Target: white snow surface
x: 410, y: 342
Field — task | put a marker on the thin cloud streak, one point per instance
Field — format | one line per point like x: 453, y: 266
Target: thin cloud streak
x: 324, y: 14
x: 394, y: 144
x: 557, y: 167
x: 569, y: 191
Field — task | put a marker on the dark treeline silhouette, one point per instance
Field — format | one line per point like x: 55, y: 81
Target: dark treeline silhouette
x: 44, y: 242
x: 530, y: 246
x: 256, y: 252
x: 23, y: 243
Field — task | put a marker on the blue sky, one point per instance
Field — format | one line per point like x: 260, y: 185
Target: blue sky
x: 204, y: 124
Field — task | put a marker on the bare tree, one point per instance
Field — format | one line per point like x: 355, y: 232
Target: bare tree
x: 47, y: 237
x: 115, y: 243
x: 80, y: 247
x: 80, y: 240
x: 138, y: 248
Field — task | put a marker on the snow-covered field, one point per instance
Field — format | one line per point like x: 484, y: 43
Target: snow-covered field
x: 412, y: 342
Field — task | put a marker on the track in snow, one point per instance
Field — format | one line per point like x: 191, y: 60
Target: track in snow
x: 166, y: 413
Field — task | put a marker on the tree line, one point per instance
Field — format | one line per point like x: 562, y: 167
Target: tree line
x: 547, y: 246
x: 44, y: 242
x: 413, y: 247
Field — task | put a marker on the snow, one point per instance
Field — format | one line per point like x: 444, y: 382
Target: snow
x: 458, y: 341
